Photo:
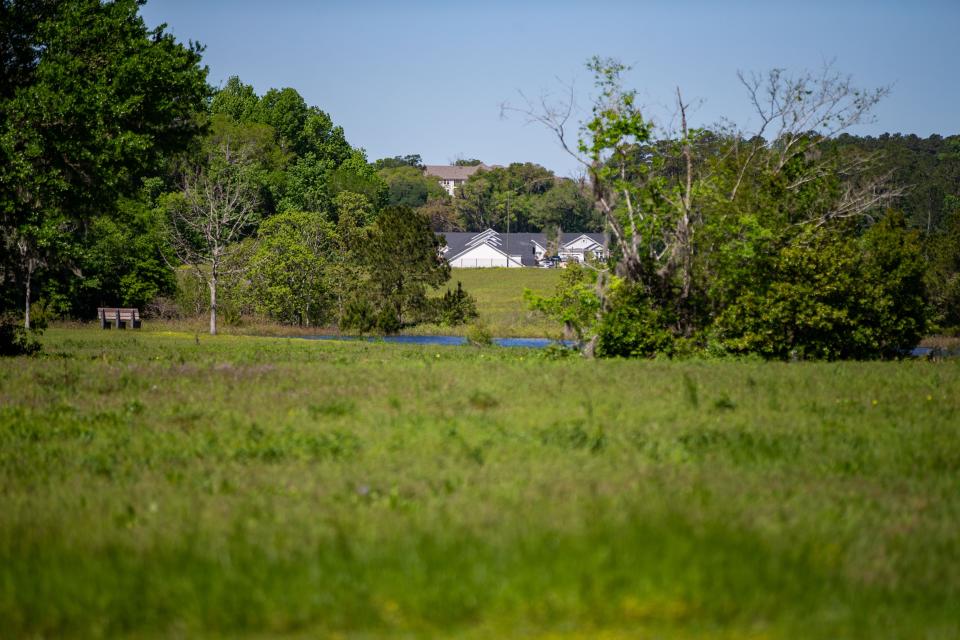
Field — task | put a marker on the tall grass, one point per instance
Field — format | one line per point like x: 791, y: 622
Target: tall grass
x: 171, y: 484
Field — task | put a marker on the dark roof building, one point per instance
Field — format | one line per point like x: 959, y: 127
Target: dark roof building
x: 492, y: 249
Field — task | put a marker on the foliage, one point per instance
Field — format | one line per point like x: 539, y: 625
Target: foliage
x: 15, y: 339
x: 299, y: 129
x: 356, y: 176
x: 403, y: 257
x: 219, y: 203
x: 454, y: 307
x: 306, y: 187
x: 408, y: 187
x: 943, y: 276
x: 412, y: 160
x: 759, y: 245
x: 831, y: 296
x: 631, y: 326
x: 288, y: 269
x: 442, y: 214
x: 192, y: 297
x: 91, y: 101
x: 575, y: 303
x: 929, y: 168
x: 479, y: 335
x: 305, y: 136
x: 124, y: 262
x: 524, y: 197
x: 353, y: 208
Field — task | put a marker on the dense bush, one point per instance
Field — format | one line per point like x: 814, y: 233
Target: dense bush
x: 15, y: 340
x: 454, y: 307
x: 834, y: 296
x: 631, y: 327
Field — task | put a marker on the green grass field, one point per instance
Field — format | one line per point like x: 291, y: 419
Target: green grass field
x: 499, y: 294
x: 159, y: 484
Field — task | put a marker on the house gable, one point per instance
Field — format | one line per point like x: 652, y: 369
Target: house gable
x: 483, y: 255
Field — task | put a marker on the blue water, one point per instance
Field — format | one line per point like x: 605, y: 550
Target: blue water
x: 529, y: 343
x: 450, y: 341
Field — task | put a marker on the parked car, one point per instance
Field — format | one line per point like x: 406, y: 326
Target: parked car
x: 549, y: 262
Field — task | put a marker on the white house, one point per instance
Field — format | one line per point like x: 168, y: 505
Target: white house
x: 491, y: 249
x: 451, y: 176
x: 485, y: 249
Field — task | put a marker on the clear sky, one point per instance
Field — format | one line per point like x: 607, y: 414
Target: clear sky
x: 424, y: 77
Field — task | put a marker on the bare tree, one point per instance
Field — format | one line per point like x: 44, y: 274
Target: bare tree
x: 654, y: 193
x: 653, y: 236
x: 30, y: 261
x: 218, y: 202
x: 797, y: 115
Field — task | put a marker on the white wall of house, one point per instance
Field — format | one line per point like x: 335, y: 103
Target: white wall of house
x: 450, y: 185
x: 484, y: 256
x: 580, y: 249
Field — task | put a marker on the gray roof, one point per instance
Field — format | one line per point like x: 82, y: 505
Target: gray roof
x: 452, y: 172
x: 514, y: 244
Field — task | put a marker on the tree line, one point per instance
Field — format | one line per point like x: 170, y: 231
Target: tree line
x: 521, y: 197
x: 127, y: 180
x: 792, y: 240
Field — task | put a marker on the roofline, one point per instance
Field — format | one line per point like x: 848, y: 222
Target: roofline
x: 582, y: 235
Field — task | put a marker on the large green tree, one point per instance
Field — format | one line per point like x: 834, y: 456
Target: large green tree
x: 321, y: 160
x: 403, y: 258
x: 525, y: 197
x: 219, y: 203
x: 774, y: 241
x: 288, y: 272
x: 91, y: 100
x: 408, y: 187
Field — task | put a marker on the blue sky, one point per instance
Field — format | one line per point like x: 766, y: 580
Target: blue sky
x: 429, y: 77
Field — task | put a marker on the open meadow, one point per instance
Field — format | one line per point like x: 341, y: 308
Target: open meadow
x: 500, y: 303
x: 163, y: 484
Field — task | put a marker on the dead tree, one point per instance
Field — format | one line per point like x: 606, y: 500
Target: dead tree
x: 217, y: 204
x: 797, y: 115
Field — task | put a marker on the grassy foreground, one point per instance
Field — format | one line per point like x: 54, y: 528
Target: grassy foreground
x: 162, y: 485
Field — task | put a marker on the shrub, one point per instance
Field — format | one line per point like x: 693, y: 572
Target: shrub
x: 162, y: 308
x: 15, y: 340
x: 455, y: 307
x: 358, y: 315
x: 478, y: 334
x: 387, y: 320
x: 631, y: 327
x: 834, y: 297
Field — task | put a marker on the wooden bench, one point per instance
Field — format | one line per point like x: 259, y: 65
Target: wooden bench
x: 120, y: 317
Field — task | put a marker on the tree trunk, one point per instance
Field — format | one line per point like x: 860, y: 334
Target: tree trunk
x: 213, y: 305
x: 26, y: 311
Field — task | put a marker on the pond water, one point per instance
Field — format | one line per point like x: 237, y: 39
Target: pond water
x: 449, y: 341
x: 530, y: 343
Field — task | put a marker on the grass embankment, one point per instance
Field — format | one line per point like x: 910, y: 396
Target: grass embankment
x: 500, y: 303
x: 154, y: 484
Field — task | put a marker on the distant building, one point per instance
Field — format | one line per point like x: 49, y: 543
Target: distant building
x: 451, y: 176
x: 491, y: 249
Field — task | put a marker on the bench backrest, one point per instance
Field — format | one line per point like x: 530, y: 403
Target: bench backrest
x: 110, y: 314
